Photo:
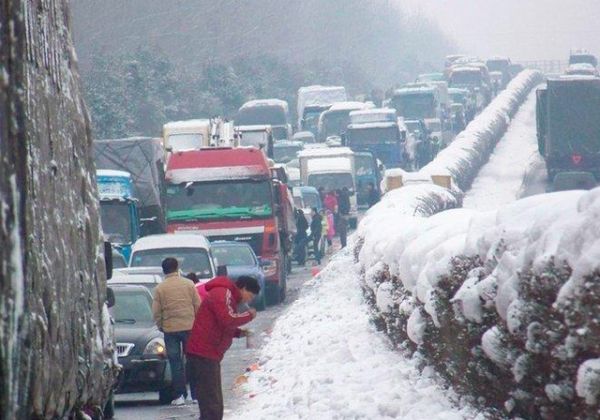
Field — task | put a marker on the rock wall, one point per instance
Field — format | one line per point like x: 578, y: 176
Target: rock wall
x: 56, y: 352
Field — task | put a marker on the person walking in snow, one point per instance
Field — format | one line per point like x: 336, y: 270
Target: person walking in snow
x: 216, y: 324
x: 301, y: 237
x: 331, y: 202
x: 174, y: 308
x: 316, y: 230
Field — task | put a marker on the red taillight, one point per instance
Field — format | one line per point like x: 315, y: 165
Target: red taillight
x: 576, y: 159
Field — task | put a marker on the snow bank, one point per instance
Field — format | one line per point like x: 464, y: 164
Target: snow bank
x: 504, y: 303
x: 325, y: 360
x: 463, y: 158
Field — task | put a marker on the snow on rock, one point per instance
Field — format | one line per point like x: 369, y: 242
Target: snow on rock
x: 519, y: 286
x: 470, y: 150
x: 326, y: 360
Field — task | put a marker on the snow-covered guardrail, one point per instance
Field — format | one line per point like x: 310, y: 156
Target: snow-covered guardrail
x: 504, y: 304
x: 463, y: 158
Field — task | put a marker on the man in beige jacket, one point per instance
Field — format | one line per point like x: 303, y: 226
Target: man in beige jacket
x: 175, y: 304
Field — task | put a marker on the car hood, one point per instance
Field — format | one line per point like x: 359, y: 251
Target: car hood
x: 139, y: 334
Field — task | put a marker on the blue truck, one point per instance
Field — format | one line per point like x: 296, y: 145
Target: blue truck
x: 118, y: 209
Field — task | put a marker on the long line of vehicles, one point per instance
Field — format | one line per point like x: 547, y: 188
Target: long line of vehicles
x: 215, y: 192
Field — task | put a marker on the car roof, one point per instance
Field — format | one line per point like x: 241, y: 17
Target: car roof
x: 135, y: 279
x: 132, y: 271
x: 170, y: 240
x: 122, y: 287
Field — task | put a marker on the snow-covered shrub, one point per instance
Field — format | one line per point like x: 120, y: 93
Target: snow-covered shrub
x: 472, y: 147
x: 504, y: 304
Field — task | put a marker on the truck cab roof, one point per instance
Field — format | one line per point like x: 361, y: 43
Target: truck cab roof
x: 171, y: 240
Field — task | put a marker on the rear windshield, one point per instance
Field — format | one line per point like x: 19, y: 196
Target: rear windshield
x: 131, y: 306
x: 190, y: 259
x: 233, y: 256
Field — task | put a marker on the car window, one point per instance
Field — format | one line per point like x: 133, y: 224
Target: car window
x: 233, y: 256
x: 190, y: 259
x: 131, y: 306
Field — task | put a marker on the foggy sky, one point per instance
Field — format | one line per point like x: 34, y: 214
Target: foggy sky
x: 521, y: 29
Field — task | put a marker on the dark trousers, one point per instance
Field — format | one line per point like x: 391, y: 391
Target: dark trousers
x: 317, y: 247
x: 205, y: 374
x: 175, y: 344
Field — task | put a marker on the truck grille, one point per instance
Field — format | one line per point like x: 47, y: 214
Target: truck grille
x: 123, y: 349
x: 255, y: 240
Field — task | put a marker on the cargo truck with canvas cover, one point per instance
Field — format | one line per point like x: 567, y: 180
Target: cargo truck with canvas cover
x: 228, y: 194
x: 118, y: 210
x: 568, y: 130
x: 379, y: 132
x: 313, y: 100
x: 143, y: 158
x: 271, y: 112
x: 332, y: 169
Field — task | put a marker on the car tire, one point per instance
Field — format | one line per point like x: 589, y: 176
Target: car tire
x: 272, y: 294
x: 165, y: 396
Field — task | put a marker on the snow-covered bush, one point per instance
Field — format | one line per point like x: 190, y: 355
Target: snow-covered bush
x: 504, y: 304
x: 472, y: 147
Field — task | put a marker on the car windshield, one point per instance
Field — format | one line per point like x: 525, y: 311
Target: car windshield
x: 190, y: 259
x: 219, y: 200
x: 331, y: 181
x: 284, y: 154
x: 334, y: 123
x: 131, y: 306
x: 118, y: 260
x: 116, y: 222
x: 233, y: 255
x: 415, y: 107
x: 185, y: 141
x: 311, y: 200
x: 466, y: 78
x: 364, y: 165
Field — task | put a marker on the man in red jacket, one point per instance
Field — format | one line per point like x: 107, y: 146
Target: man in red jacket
x: 216, y: 323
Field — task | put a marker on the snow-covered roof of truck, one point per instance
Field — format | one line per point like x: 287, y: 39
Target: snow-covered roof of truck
x: 416, y: 90
x: 257, y: 127
x: 186, y: 125
x: 375, y: 115
x: 320, y: 95
x: 348, y: 106
x: 171, y: 240
x: 266, y: 102
x: 333, y: 164
x: 471, y: 69
x: 325, y: 152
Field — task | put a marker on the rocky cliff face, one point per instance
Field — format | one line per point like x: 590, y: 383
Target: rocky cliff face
x: 56, y: 352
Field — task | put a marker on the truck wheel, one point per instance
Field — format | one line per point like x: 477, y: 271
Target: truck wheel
x: 165, y: 396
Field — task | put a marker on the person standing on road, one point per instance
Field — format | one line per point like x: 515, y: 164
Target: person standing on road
x: 216, y: 324
x: 331, y: 202
x: 342, y: 229
x: 344, y: 201
x: 301, y: 237
x: 316, y: 230
x: 174, y: 308
x: 372, y: 195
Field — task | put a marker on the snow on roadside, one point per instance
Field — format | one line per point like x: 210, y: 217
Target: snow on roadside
x: 326, y: 360
x: 500, y: 180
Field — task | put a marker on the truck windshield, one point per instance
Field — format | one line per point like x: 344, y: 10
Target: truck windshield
x: 497, y: 65
x: 364, y: 165
x: 284, y: 154
x: 261, y: 115
x: 189, y: 141
x: 258, y: 139
x: 415, y: 107
x: 331, y: 181
x: 280, y: 133
x: 244, y: 199
x: 190, y: 259
x: 466, y: 78
x: 334, y: 124
x: 116, y: 221
x: 369, y: 136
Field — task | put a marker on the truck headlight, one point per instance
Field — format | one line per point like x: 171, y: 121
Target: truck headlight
x: 156, y: 347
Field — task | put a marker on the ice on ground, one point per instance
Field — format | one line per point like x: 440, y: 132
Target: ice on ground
x: 499, y: 181
x: 326, y: 360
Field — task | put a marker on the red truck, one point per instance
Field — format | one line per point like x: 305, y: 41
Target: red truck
x: 229, y: 194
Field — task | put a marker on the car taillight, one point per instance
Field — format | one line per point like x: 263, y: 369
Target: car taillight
x: 269, y: 267
x: 576, y: 159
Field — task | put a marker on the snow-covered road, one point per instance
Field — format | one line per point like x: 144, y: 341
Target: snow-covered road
x: 325, y: 360
x: 500, y: 181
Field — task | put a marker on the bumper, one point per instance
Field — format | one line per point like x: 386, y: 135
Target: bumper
x: 143, y: 374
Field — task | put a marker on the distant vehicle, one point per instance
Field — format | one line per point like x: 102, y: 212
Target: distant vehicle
x: 378, y: 131
x: 286, y: 150
x: 271, y: 112
x: 259, y: 136
x: 581, y: 57
x: 451, y: 59
x: 463, y: 97
x: 331, y: 169
x: 144, y: 159
x: 471, y: 78
x: 458, y: 117
x: 499, y: 68
x: 430, y: 77
x: 305, y: 198
x: 141, y: 349
x: 515, y: 69
x: 417, y: 103
x: 335, y: 120
x: 240, y: 260
x: 118, y: 210
x: 186, y: 135
x: 312, y: 100
x: 305, y: 137
x: 150, y: 277
x: 581, y: 69
x: 367, y: 172
x: 191, y: 250
x: 230, y: 194
x: 568, y: 129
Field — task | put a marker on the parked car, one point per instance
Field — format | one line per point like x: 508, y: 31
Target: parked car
x: 150, y: 277
x: 140, y: 345
x: 191, y: 250
x: 240, y: 260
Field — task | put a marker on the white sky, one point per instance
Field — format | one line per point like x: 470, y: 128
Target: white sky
x: 521, y: 29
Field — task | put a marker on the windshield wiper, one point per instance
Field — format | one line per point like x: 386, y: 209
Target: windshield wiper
x: 125, y: 321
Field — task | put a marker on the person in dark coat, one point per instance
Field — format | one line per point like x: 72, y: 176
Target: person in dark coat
x: 341, y: 229
x: 316, y: 231
x: 372, y: 195
x: 301, y: 237
x: 344, y: 201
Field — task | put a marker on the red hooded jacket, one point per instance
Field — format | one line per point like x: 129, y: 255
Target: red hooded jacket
x: 217, y: 321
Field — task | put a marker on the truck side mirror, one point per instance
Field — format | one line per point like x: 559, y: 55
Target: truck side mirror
x: 110, y: 297
x: 108, y: 260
